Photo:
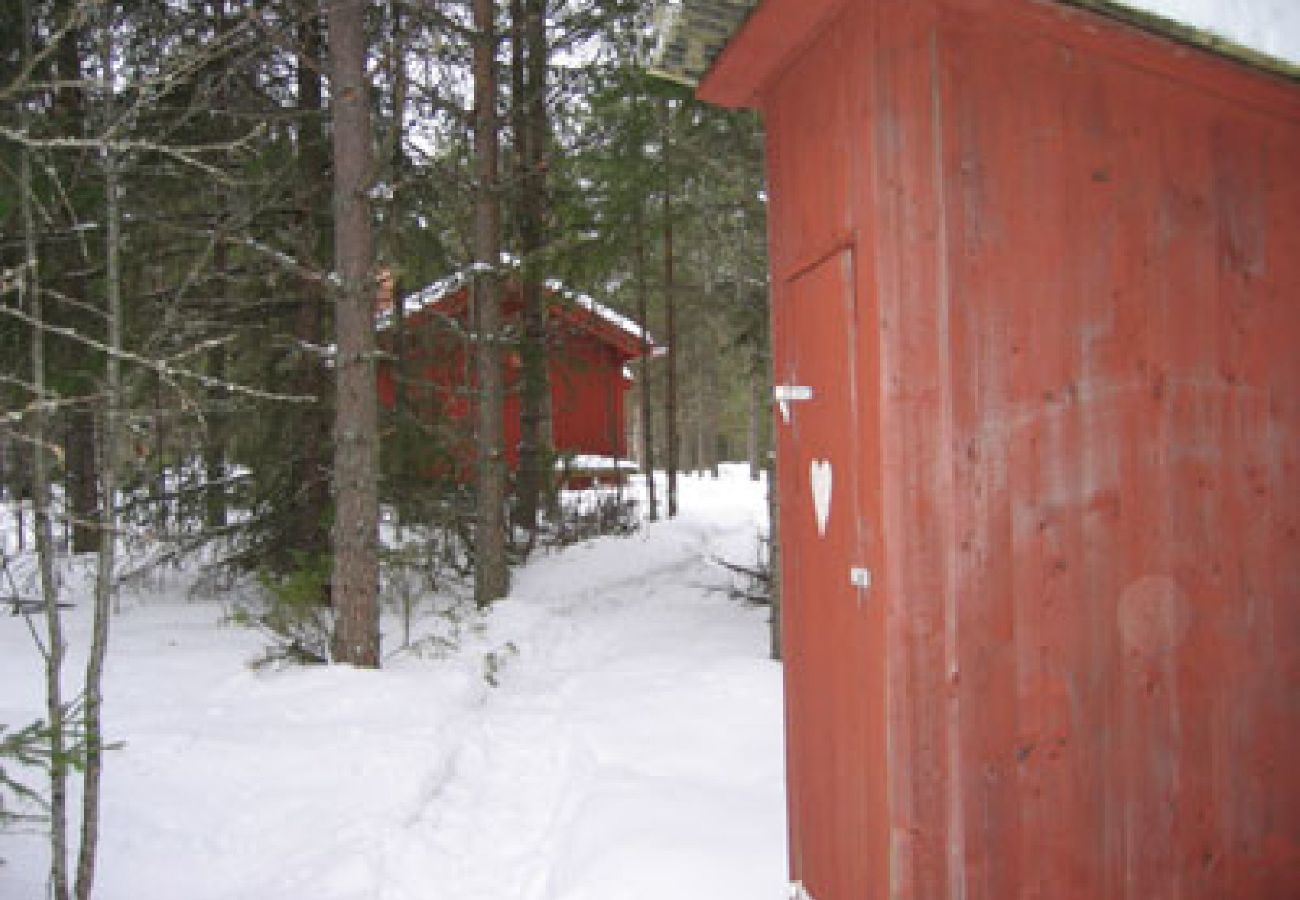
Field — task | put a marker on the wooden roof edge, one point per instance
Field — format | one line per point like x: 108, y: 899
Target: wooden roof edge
x: 1192, y: 35
x: 450, y: 297
x: 693, y: 36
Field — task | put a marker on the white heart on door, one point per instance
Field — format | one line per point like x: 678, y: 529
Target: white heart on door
x: 820, y: 479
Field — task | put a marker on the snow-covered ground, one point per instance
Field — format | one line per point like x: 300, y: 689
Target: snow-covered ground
x: 630, y: 748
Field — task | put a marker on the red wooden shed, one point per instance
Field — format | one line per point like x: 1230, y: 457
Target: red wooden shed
x: 589, y: 348
x: 1037, y: 319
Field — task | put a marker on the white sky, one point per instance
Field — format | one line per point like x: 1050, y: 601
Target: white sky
x: 1270, y: 26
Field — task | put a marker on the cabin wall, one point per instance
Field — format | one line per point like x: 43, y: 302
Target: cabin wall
x: 587, y: 391
x: 587, y: 388
x: 1056, y: 261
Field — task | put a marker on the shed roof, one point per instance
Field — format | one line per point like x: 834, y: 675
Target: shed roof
x: 449, y: 295
x: 691, y: 34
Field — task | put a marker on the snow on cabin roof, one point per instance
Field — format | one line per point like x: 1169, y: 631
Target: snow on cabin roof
x: 437, y: 291
x: 615, y: 318
x: 691, y: 34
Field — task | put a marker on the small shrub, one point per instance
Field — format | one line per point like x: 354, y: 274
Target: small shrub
x: 29, y: 749
x: 297, y: 617
x: 595, y: 512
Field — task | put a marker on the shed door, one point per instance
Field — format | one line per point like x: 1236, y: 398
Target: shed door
x: 833, y: 683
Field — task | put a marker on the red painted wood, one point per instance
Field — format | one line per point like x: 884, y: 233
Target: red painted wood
x: 832, y: 681
x: 586, y: 368
x: 772, y: 36
x: 1070, y: 417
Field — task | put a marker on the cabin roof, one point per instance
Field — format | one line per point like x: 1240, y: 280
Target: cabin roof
x: 450, y: 294
x: 691, y: 34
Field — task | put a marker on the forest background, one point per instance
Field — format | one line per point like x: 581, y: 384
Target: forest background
x: 176, y: 159
x: 197, y: 201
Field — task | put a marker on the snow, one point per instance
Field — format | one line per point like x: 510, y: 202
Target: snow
x: 610, y: 731
x: 1270, y: 26
x: 590, y: 462
x: 618, y: 320
x: 437, y: 291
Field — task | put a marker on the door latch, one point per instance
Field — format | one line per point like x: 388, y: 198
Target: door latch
x: 785, y: 394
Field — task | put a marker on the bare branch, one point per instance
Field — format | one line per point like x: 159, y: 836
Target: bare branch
x: 79, y: 16
x: 188, y: 155
x: 161, y: 368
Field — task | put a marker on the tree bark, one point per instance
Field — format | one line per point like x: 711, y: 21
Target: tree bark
x: 491, y: 575
x: 670, y: 312
x: 709, y: 399
x: 647, y: 395
x: 307, y: 536
x: 105, y: 587
x: 82, y: 479
x: 80, y: 455
x: 214, y: 443
x: 531, y: 133
x: 355, y: 582
x: 758, y: 409
x: 31, y: 300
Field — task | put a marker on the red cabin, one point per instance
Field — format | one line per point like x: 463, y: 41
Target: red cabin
x: 590, y: 348
x: 1036, y: 279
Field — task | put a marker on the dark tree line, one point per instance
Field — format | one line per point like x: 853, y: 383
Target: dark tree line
x: 240, y: 270
x: 200, y: 202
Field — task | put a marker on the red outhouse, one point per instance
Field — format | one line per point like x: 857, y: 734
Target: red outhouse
x: 589, y: 347
x: 1036, y: 292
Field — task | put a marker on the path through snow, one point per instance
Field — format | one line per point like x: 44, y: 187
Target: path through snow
x: 630, y: 749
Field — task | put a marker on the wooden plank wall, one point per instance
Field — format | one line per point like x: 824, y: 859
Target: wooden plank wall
x: 1077, y: 289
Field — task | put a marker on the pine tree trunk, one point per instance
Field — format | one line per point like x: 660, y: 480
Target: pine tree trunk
x: 92, y: 688
x: 393, y: 286
x: 647, y: 409
x: 670, y: 311
x: 31, y: 302
x: 710, y: 389
x: 531, y: 133
x: 214, y: 444
x: 491, y: 575
x: 355, y: 582
x: 82, y: 479
x: 306, y: 532
x: 392, y: 278
x: 758, y: 409
x: 162, y: 435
